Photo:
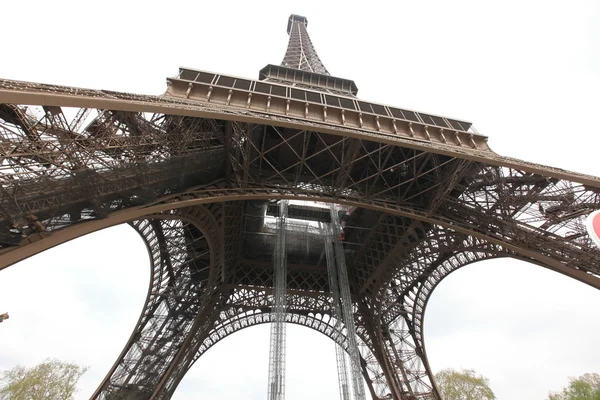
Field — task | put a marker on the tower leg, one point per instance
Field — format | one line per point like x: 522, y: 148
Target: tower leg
x: 400, y: 365
x: 179, y: 308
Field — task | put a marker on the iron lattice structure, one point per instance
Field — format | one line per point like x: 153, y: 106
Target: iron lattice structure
x: 276, y: 388
x: 199, y: 170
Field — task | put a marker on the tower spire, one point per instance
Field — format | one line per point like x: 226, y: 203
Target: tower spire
x: 301, y: 66
x: 301, y: 53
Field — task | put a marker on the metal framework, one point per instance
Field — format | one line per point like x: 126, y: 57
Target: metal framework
x: 276, y: 389
x: 301, y: 54
x: 350, y: 384
x: 198, y: 170
x: 346, y: 304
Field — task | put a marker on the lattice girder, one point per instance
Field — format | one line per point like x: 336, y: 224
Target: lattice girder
x: 251, y: 306
x: 419, y: 206
x: 402, y: 341
x: 244, y: 307
x: 57, y: 173
x: 186, y: 265
x: 301, y: 53
x: 379, y: 174
x: 401, y: 305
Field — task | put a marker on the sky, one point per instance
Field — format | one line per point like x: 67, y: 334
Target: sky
x: 526, y: 73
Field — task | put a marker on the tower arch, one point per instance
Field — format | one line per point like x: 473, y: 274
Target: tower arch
x: 419, y: 190
x: 186, y: 263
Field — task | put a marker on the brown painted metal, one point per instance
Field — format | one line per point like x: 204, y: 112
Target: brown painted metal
x: 194, y: 172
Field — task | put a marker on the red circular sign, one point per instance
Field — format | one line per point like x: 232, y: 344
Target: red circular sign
x: 593, y: 227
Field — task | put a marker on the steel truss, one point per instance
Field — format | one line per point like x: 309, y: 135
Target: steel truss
x: 347, y: 382
x: 276, y: 387
x: 190, y: 171
x: 301, y: 54
x: 347, y: 305
x: 533, y: 216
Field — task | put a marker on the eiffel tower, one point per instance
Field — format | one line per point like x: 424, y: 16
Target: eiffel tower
x: 285, y: 199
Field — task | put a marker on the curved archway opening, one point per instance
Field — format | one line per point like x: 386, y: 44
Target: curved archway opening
x: 77, y: 302
x: 239, y: 367
x: 525, y: 327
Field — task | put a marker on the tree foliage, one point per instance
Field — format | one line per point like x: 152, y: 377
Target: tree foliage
x: 50, y: 380
x: 463, y: 385
x: 585, y: 387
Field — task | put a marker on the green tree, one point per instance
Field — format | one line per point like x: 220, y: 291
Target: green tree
x: 50, y: 380
x: 463, y: 385
x: 585, y: 387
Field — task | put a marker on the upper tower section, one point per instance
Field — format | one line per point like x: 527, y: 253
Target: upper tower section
x: 301, y: 53
x: 302, y: 67
x: 302, y: 88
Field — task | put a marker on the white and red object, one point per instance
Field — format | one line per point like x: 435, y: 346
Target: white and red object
x: 593, y: 226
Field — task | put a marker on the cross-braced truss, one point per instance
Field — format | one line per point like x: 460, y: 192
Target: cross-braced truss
x: 197, y: 171
x: 301, y: 54
x: 277, y: 359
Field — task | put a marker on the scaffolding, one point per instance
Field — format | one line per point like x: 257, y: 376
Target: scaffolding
x: 348, y: 363
x: 342, y: 309
x: 276, y: 389
x: 340, y: 354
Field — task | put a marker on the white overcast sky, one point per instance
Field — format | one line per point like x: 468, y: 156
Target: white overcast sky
x: 527, y: 73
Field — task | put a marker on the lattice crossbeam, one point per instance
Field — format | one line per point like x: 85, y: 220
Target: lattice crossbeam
x: 425, y: 196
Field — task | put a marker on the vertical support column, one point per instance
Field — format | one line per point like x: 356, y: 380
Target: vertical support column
x: 276, y: 389
x: 401, y: 361
x: 407, y: 361
x: 346, y: 303
x: 340, y: 354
